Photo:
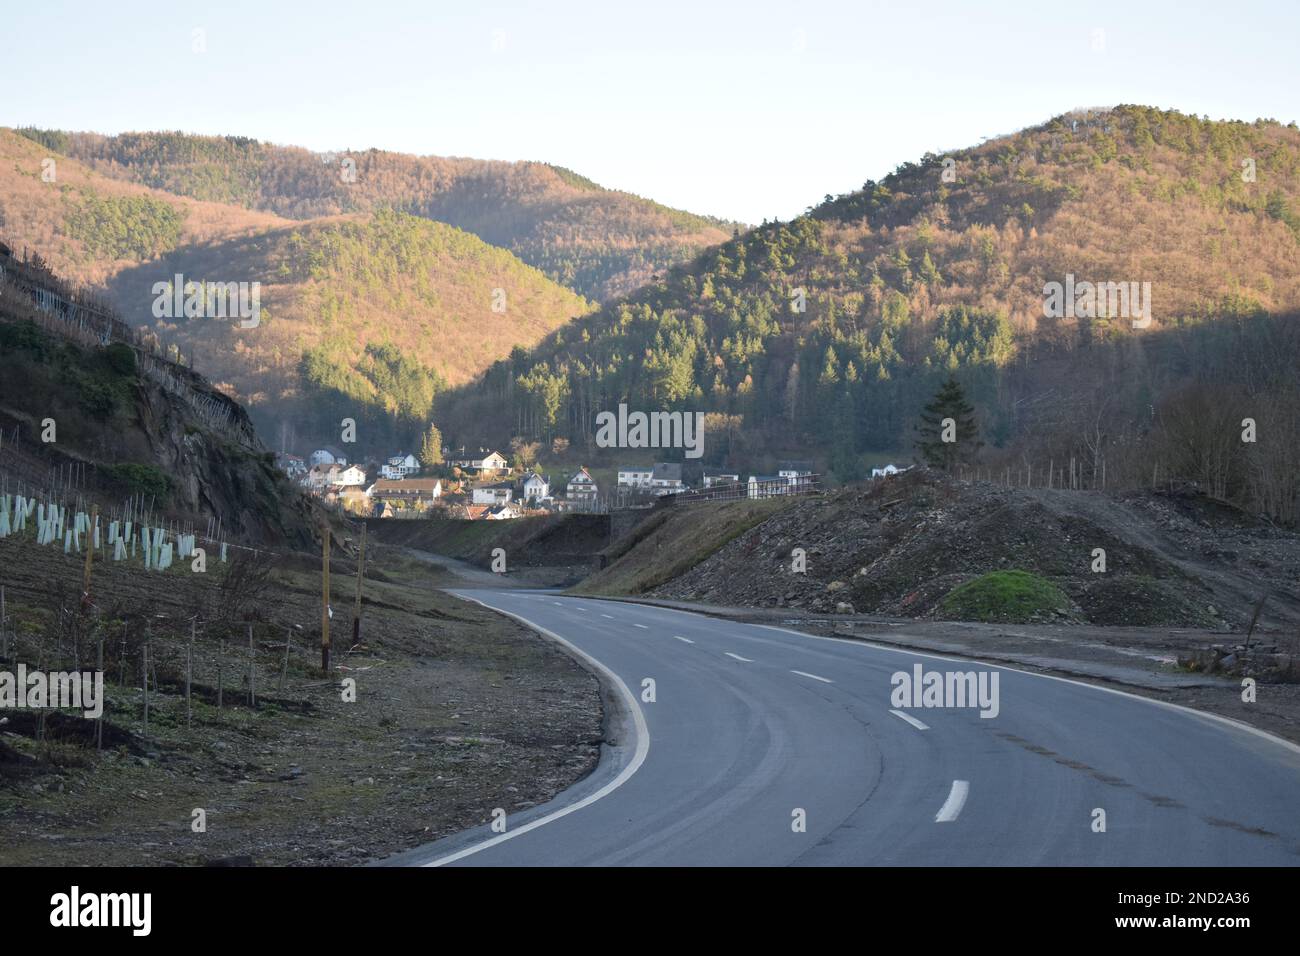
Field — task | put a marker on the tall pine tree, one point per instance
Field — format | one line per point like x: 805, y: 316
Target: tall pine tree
x: 431, y: 447
x: 948, y: 434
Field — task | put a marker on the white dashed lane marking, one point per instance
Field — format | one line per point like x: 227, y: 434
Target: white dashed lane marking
x: 910, y: 719
x: 824, y: 680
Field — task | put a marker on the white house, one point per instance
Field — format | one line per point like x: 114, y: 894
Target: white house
x: 582, y: 487
x: 492, y: 462
x: 321, y: 475
x: 493, y: 495
x: 666, y: 479
x: 536, y: 486
x: 887, y: 471
x: 342, y: 477
x: 635, y: 476
x: 327, y: 456
x: 712, y: 477
x: 797, y: 473
x: 400, y: 466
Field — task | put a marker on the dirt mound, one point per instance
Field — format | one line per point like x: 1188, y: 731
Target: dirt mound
x: 899, y: 546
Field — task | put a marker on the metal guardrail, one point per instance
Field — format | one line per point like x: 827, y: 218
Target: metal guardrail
x: 736, y: 491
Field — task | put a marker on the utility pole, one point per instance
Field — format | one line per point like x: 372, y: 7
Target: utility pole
x: 361, y: 570
x: 325, y: 602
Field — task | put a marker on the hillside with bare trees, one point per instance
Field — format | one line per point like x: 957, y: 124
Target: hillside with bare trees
x: 1176, y: 239
x: 598, y: 242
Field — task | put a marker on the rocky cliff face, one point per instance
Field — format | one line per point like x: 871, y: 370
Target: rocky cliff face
x: 84, y: 416
x: 218, y: 465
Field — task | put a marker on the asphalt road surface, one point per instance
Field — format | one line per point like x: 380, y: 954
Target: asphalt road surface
x: 768, y: 747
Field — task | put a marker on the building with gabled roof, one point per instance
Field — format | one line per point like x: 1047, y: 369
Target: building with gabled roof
x: 413, y: 491
x: 582, y: 487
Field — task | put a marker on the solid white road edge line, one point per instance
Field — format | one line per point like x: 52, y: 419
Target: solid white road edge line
x: 638, y: 758
x: 738, y: 657
x: 910, y: 719
x: 956, y: 800
x: 1181, y: 708
x: 824, y: 680
x: 1190, y: 711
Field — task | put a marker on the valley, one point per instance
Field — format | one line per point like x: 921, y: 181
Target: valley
x: 545, y: 524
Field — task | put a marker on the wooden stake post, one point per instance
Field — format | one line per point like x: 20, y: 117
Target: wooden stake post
x: 90, y: 558
x: 361, y: 570
x: 325, y: 602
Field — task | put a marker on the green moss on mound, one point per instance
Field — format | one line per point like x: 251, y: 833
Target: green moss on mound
x: 1010, y: 597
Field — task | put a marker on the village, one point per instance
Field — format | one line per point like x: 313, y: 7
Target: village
x: 491, y: 487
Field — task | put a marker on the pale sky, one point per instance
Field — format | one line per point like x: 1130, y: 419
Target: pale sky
x: 744, y: 110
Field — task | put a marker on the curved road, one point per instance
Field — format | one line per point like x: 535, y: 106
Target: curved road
x: 753, y: 728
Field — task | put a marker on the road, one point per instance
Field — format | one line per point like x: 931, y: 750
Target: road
x: 753, y: 730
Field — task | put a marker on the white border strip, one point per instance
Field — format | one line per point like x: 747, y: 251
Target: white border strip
x: 956, y: 800
x: 1230, y: 722
x: 638, y: 758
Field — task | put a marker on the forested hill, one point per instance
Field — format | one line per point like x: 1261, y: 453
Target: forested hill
x: 365, y: 315
x: 941, y: 268
x: 598, y: 242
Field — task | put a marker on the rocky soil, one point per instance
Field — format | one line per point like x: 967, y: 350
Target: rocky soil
x: 898, y: 546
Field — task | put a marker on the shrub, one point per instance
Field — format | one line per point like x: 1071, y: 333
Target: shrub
x: 140, y: 479
x: 121, y: 359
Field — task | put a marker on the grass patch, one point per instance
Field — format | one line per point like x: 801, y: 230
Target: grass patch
x: 669, y: 544
x: 1008, y: 597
